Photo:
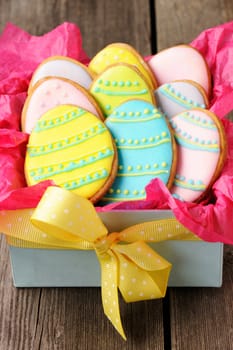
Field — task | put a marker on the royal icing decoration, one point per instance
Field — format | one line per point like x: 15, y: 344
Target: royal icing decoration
x: 179, y: 63
x: 51, y: 92
x: 145, y: 149
x: 117, y: 84
x: 176, y: 97
x: 64, y: 67
x: 72, y: 147
x: 121, y: 53
x: 200, y: 150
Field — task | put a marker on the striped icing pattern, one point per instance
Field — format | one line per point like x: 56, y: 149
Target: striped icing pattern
x: 144, y: 149
x: 199, y: 150
x: 117, y: 84
x: 176, y: 97
x: 72, y: 147
x: 120, y: 53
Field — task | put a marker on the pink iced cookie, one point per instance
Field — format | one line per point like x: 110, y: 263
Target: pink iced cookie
x: 178, y: 63
x: 51, y: 92
x: 201, y: 155
x: 178, y: 96
x: 64, y: 67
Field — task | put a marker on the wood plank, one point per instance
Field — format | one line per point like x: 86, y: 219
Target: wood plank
x: 72, y: 318
x: 18, y: 308
x: 181, y: 21
x: 101, y: 22
x: 201, y: 318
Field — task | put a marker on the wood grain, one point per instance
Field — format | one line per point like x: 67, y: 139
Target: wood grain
x: 18, y: 308
x: 73, y: 318
x: 101, y: 22
x: 201, y: 318
x: 179, y: 21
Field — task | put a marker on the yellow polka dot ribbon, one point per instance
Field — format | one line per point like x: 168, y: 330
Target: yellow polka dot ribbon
x: 65, y: 220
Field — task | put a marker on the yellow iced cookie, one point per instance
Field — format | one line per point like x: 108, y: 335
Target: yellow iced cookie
x: 72, y: 147
x: 117, y: 84
x: 122, y: 53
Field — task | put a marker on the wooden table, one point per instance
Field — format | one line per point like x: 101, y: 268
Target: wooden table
x: 72, y: 318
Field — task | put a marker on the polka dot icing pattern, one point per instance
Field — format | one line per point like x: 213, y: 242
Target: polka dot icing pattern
x: 176, y: 97
x: 79, y: 160
x: 65, y: 142
x: 178, y: 63
x: 121, y: 53
x: 51, y: 92
x: 141, y: 157
x: 185, y: 136
x: 44, y: 173
x: 64, y: 67
x: 117, y: 84
x: 199, y: 149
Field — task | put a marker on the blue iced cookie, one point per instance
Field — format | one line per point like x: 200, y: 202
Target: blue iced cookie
x: 146, y: 149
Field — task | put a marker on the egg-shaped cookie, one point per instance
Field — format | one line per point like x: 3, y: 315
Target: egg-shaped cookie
x: 74, y: 148
x: 146, y: 149
x: 63, y: 67
x: 51, y: 92
x: 117, y: 84
x: 178, y: 96
x: 121, y: 53
x: 181, y: 62
x: 201, y: 153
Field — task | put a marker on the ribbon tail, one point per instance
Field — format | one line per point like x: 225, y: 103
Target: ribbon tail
x: 109, y: 290
x: 160, y: 279
x: 143, y: 274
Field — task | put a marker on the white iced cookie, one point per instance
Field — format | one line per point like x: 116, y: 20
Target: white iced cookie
x: 178, y: 96
x: 64, y: 67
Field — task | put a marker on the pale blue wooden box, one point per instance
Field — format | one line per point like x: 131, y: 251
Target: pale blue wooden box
x: 195, y: 263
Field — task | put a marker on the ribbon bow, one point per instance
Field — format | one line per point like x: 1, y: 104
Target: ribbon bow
x: 64, y: 220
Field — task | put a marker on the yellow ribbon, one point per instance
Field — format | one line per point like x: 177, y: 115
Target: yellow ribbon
x: 67, y: 221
